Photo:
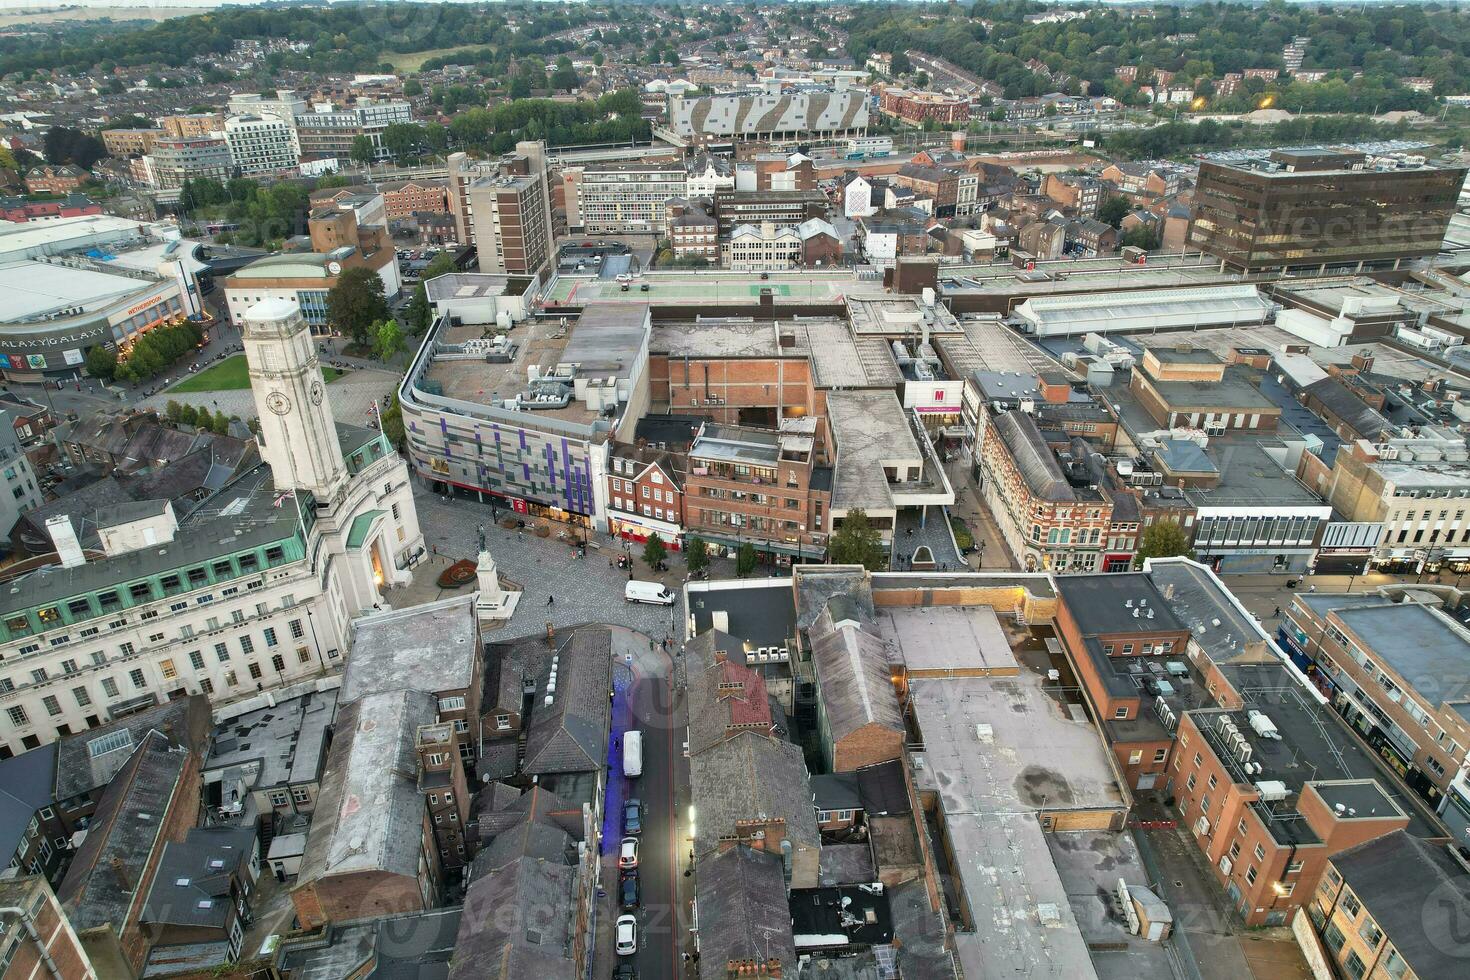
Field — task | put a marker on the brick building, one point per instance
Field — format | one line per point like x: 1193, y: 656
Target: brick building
x: 1187, y: 386
x: 1384, y: 664
x: 1119, y: 633
x: 1075, y: 192
x: 1385, y: 908
x: 645, y: 495
x: 35, y: 937
x: 129, y: 142
x: 858, y: 715
x: 692, y: 232
x: 915, y: 107
x: 1052, y: 517
x: 58, y: 178
x: 405, y: 198
x: 762, y: 486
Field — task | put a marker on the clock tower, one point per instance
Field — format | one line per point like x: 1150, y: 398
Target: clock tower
x: 298, y: 434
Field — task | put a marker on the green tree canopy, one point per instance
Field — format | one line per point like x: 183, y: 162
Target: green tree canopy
x: 745, y: 559
x: 696, y: 554
x: 654, y: 550
x: 1113, y: 210
x: 356, y: 303
x: 1164, y: 539
x: 102, y: 362
x: 388, y: 340
x: 856, y: 542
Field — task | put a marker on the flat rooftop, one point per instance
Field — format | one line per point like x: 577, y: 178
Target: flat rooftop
x: 1199, y: 601
x: 1426, y: 647
x: 429, y: 648
x: 762, y: 614
x: 1249, y: 476
x: 287, y: 740
x: 1315, y: 747
x: 871, y: 432
x: 931, y: 639
x: 37, y: 289
x: 605, y: 341
x: 992, y: 787
x: 709, y: 289
x: 475, y: 285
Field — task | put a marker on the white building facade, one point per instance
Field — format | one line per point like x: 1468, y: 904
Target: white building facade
x: 253, y: 589
x: 260, y: 144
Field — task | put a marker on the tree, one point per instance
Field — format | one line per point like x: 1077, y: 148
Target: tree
x: 901, y: 64
x: 696, y: 554
x: 1165, y: 539
x: 356, y: 303
x: 63, y: 145
x: 1140, y: 237
x: 174, y: 412
x: 102, y: 362
x: 654, y: 550
x: 221, y: 424
x: 745, y: 560
x: 564, y: 77
x: 402, y: 139
x: 856, y: 542
x: 1113, y: 209
x: 362, y: 150
x: 188, y: 414
x: 413, y: 88
x: 388, y: 340
x: 392, y: 422
x: 204, y: 420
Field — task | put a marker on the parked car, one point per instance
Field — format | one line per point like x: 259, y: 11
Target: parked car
x: 628, y: 854
x: 627, y: 935
x: 633, y: 817
x: 628, y: 891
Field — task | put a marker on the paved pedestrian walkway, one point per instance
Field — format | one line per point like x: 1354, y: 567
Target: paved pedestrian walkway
x: 913, y: 531
x: 351, y: 396
x: 993, y: 554
x: 556, y: 587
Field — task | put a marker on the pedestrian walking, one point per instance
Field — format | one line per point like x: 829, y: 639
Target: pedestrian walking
x: 550, y: 599
x: 1277, y: 612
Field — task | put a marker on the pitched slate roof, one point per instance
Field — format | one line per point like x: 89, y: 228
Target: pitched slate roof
x: 570, y: 734
x: 1035, y: 460
x: 517, y: 923
x: 112, y: 861
x: 369, y: 813
x: 716, y: 709
x: 79, y: 772
x: 192, y: 884
x: 743, y: 914
x: 26, y: 782
x: 751, y: 777
x: 853, y: 674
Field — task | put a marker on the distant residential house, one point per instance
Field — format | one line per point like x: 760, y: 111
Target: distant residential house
x: 59, y: 178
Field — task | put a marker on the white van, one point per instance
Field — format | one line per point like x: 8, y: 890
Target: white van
x: 651, y: 592
x: 633, y: 753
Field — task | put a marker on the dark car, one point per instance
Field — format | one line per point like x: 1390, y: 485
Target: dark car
x: 628, y: 891
x: 644, y: 287
x: 633, y: 817
x: 625, y: 971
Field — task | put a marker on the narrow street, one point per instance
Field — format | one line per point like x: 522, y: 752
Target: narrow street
x: 644, y: 700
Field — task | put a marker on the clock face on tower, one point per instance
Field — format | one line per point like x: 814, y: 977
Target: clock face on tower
x: 278, y: 403
x: 316, y: 393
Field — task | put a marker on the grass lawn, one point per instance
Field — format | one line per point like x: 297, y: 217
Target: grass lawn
x: 232, y: 374
x: 414, y: 60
